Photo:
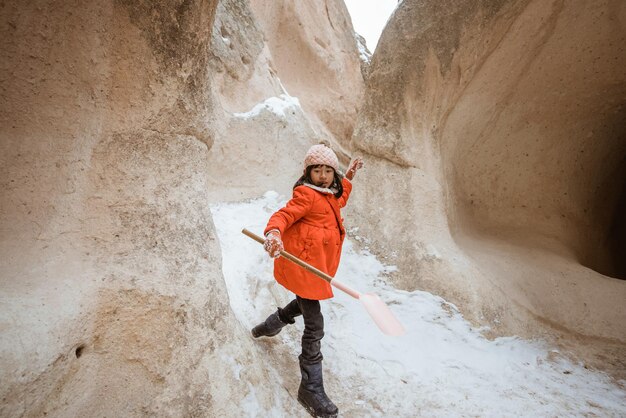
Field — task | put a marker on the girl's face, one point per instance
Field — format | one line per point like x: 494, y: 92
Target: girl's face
x: 322, y: 176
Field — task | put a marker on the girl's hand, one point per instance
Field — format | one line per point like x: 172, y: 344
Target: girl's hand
x: 273, y: 244
x: 355, y: 165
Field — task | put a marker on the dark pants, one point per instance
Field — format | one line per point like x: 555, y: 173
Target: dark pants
x: 313, y: 326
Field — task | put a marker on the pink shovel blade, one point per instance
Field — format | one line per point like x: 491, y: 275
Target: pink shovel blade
x: 381, y: 315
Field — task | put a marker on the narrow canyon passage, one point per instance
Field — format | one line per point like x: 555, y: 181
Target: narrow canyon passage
x: 491, y: 212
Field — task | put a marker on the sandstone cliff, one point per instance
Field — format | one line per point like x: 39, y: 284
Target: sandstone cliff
x: 496, y: 131
x: 121, y: 121
x: 493, y: 133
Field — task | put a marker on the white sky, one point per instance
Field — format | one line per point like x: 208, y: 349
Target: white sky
x: 369, y: 18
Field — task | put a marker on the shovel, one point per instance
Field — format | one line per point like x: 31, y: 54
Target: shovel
x: 377, y: 309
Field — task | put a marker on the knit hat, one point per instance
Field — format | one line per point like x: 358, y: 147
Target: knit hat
x: 321, y: 154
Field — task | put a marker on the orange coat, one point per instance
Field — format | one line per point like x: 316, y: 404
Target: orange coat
x: 312, y: 229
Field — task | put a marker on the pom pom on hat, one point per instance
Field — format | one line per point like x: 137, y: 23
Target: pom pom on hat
x: 321, y: 154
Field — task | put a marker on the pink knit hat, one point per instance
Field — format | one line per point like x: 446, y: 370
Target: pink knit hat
x: 321, y: 154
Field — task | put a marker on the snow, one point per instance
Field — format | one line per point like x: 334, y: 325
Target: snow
x: 364, y: 54
x: 277, y: 105
x: 441, y: 367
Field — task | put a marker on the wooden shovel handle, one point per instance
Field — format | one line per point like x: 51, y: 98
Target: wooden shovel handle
x: 379, y: 312
x: 290, y: 257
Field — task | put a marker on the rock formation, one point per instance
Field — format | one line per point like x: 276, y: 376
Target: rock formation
x: 493, y: 133
x: 286, y: 74
x: 496, y: 141
x: 315, y: 58
x: 121, y: 121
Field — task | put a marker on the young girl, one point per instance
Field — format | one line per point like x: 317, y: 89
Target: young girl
x: 311, y: 228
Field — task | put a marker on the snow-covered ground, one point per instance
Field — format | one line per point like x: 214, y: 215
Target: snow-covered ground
x: 442, y: 367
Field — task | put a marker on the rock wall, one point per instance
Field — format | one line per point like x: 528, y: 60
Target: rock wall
x: 313, y: 47
x: 111, y: 279
x: 287, y: 74
x: 496, y: 133
x: 494, y: 139
x: 120, y: 122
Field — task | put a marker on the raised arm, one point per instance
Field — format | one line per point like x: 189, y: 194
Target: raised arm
x: 355, y: 166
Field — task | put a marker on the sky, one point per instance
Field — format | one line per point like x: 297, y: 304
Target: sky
x: 369, y: 18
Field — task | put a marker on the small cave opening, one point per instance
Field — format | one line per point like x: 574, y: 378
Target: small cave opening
x: 617, y: 234
x: 611, y: 219
x: 79, y: 350
x: 606, y: 252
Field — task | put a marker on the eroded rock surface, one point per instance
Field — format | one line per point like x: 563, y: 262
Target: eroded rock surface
x: 120, y: 122
x: 111, y: 279
x: 493, y: 134
x: 314, y: 53
x: 286, y: 75
x: 496, y: 130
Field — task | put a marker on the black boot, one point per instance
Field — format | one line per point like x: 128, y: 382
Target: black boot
x: 270, y: 327
x: 311, y: 392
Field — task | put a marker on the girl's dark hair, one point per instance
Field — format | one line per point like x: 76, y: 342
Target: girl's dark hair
x: 306, y: 178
